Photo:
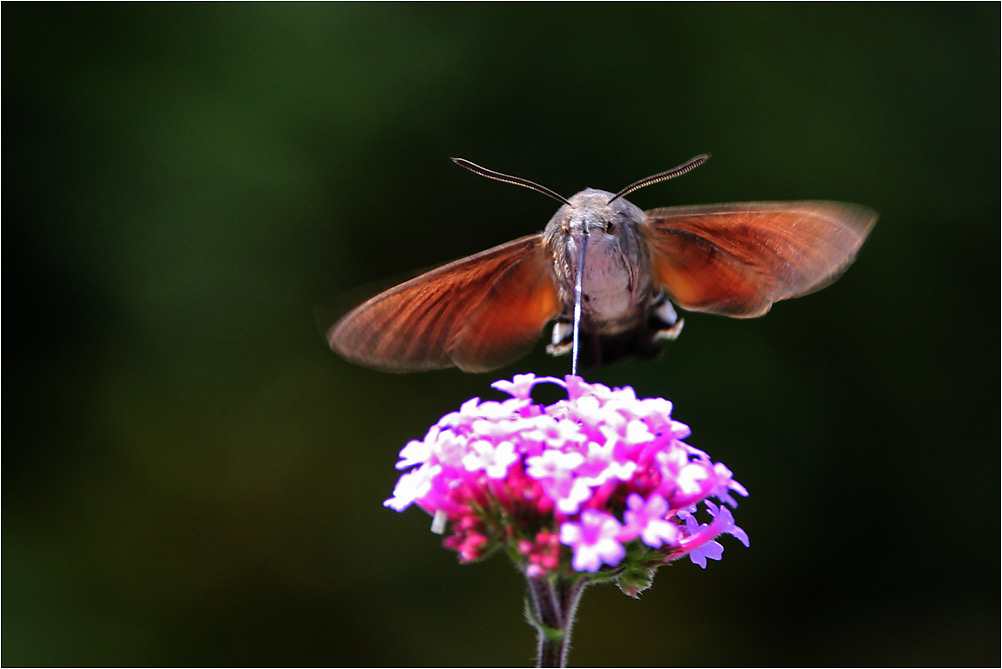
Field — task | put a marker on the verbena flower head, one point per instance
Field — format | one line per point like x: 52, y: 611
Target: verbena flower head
x: 599, y: 482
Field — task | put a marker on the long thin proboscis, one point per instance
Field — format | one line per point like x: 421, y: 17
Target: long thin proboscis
x: 508, y: 179
x: 662, y: 176
x: 578, y: 280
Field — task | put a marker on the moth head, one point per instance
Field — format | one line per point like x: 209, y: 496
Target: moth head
x: 595, y: 213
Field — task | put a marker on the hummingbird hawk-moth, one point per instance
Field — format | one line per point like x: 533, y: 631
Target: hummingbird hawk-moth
x: 608, y: 273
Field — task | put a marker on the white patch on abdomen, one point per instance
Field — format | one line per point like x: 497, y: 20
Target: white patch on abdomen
x: 607, y: 285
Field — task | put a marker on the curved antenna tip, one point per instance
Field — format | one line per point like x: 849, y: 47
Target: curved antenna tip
x: 507, y: 178
x: 687, y: 166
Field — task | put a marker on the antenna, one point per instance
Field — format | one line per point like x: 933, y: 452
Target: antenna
x: 518, y: 181
x: 662, y: 176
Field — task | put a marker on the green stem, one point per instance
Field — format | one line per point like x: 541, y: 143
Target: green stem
x: 552, y: 605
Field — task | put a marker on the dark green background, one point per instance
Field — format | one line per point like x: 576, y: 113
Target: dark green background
x: 191, y: 477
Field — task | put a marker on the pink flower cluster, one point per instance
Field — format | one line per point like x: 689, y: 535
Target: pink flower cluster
x: 602, y: 473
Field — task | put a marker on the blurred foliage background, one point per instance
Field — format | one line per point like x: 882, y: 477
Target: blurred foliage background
x: 190, y: 477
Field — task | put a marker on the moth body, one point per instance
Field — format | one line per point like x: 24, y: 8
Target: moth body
x: 616, y: 277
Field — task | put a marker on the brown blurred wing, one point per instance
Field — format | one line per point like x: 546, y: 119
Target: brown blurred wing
x: 737, y: 259
x: 477, y: 313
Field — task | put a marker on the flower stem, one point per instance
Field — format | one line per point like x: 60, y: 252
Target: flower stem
x: 551, y: 608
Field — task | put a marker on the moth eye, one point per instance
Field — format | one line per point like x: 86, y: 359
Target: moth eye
x: 565, y: 227
x: 610, y: 227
